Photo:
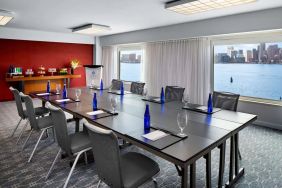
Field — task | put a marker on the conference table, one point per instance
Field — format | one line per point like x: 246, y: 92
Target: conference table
x: 205, y: 131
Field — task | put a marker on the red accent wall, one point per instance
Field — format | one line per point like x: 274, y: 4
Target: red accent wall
x: 32, y: 54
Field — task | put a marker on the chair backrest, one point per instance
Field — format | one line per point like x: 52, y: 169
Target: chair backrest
x: 137, y: 87
x: 116, y: 84
x: 60, y: 126
x: 30, y: 111
x: 174, y: 93
x: 224, y: 100
x: 18, y: 100
x: 106, y: 154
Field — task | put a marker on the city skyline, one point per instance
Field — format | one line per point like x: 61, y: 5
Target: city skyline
x: 130, y: 57
x: 266, y: 53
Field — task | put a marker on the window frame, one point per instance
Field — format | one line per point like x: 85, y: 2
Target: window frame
x: 130, y: 47
x: 246, y: 38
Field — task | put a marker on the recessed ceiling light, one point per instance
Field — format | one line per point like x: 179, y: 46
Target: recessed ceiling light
x: 5, y: 17
x: 196, y: 6
x: 91, y: 29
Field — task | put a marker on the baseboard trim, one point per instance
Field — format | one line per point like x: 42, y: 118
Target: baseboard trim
x: 269, y: 125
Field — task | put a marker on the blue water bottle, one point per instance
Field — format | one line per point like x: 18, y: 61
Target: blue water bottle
x: 210, y: 104
x: 48, y: 87
x: 121, y: 89
x: 101, y: 85
x: 65, y: 92
x: 147, y: 118
x: 162, y: 97
x: 94, y: 102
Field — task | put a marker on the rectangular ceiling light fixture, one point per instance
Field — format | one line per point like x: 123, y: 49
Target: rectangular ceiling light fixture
x: 196, y: 6
x: 5, y: 17
x: 91, y: 29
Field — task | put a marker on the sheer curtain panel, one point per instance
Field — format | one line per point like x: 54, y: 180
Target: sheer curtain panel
x: 108, y: 59
x: 184, y: 63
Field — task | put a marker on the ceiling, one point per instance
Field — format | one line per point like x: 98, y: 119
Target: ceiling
x: 120, y: 15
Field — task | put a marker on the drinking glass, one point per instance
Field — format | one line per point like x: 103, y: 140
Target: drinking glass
x: 145, y: 92
x: 185, y: 100
x: 58, y: 89
x: 77, y: 94
x: 182, y: 122
x: 114, y: 104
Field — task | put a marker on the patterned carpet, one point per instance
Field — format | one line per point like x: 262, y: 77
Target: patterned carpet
x: 261, y: 149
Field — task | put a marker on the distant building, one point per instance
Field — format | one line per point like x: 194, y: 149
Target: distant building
x: 233, y: 56
x: 222, y: 58
x: 255, y: 55
x: 240, y: 57
x: 272, y: 53
x: 229, y: 50
x: 250, y: 54
x: 280, y: 55
x: 132, y: 57
x: 261, y: 51
x: 124, y: 57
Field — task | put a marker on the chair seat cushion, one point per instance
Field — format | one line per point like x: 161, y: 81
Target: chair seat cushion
x: 137, y: 169
x: 79, y: 141
x: 45, y: 122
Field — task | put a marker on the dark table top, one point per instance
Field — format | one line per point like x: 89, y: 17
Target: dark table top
x: 204, y: 131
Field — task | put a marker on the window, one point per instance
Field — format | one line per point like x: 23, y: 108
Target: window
x: 249, y: 69
x: 130, y: 64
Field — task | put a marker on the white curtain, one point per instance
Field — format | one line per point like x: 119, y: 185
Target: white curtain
x: 183, y: 63
x: 108, y: 61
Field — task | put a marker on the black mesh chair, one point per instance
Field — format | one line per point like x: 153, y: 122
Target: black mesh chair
x: 137, y: 87
x: 73, y: 145
x: 39, y: 111
x: 116, y: 84
x: 226, y: 101
x: 41, y: 124
x: 173, y: 93
x: 128, y: 170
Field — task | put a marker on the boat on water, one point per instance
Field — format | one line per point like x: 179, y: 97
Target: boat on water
x: 231, y: 79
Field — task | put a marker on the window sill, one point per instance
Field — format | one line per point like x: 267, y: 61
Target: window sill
x: 260, y: 101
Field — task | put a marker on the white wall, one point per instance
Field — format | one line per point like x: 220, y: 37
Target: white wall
x: 254, y: 21
x: 35, y: 35
x: 268, y: 115
x: 98, y: 51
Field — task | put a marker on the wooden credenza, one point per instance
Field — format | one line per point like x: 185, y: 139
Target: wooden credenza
x: 38, y: 83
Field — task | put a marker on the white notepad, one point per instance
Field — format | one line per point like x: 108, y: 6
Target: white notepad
x: 62, y: 100
x: 95, y: 112
x: 203, y: 108
x: 42, y: 94
x: 155, y: 135
x: 157, y: 99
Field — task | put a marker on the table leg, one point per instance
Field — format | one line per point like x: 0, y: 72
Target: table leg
x: 193, y: 175
x: 222, y: 148
x: 208, y: 169
x: 234, y: 158
x: 184, y: 177
x: 231, y: 158
x: 236, y: 154
x: 76, y: 124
